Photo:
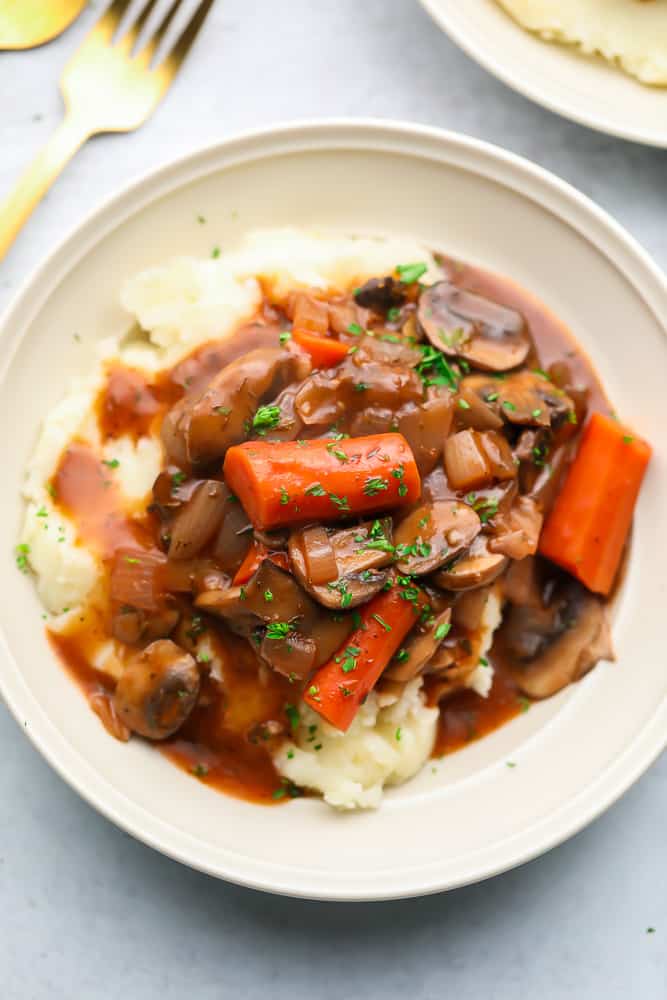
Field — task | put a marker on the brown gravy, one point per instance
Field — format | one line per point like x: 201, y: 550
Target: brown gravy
x: 213, y: 744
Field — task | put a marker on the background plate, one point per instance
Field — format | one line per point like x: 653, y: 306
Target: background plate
x: 586, y: 89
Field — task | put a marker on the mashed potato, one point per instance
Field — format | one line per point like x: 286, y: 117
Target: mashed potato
x: 628, y: 32
x: 383, y: 746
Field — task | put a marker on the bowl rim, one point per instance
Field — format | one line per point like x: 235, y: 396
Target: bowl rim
x: 532, y: 89
x: 377, y: 135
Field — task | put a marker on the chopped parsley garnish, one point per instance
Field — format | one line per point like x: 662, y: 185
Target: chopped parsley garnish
x: 315, y: 490
x: 464, y: 404
x: 572, y: 417
x: 398, y: 472
x: 402, y: 490
x: 284, y: 496
x: 380, y: 545
x: 278, y: 630
x: 510, y: 763
x: 524, y: 704
x: 374, y: 485
x: 203, y: 657
x: 483, y: 662
x: 176, y: 480
x: 293, y: 717
x: 508, y: 405
x: 628, y: 439
x: 360, y: 386
x: 268, y: 596
x: 435, y: 369
x: 200, y: 770
x: 349, y: 659
x: 409, y: 273
x: 442, y: 631
x: 402, y: 656
x: 222, y: 411
x: 42, y: 512
x: 382, y: 622
x: 22, y: 553
x: 344, y: 591
x: 267, y: 417
x: 111, y: 463
x: 491, y: 397
x: 285, y: 336
x: 215, y: 253
x: 131, y: 560
x: 341, y: 502
x: 393, y: 314
x: 337, y: 452
x: 355, y: 329
x: 536, y: 413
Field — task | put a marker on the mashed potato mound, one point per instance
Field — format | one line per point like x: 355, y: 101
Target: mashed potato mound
x: 383, y: 746
x: 628, y: 32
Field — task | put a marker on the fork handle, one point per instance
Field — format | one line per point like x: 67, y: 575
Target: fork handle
x: 36, y: 179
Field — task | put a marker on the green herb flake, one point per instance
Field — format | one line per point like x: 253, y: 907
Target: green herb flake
x: 409, y: 273
x: 402, y: 490
x: 524, y: 704
x: 337, y: 452
x: 360, y: 386
x: 268, y: 596
x: 315, y: 490
x: 293, y: 717
x: 200, y: 770
x: 508, y: 405
x: 375, y: 485
x: 393, y: 314
x: 278, y: 630
x: 111, y: 463
x: 267, y: 418
x: 22, y: 553
x: 628, y: 439
x: 464, y: 404
x: 355, y: 329
x: 572, y: 417
x: 342, y: 503
x: 510, y: 763
x: 536, y: 413
x: 402, y: 656
x: 398, y: 734
x: 215, y: 253
x: 284, y: 496
x: 442, y: 631
x: 382, y: 622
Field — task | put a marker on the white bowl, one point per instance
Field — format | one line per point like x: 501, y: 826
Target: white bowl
x: 574, y: 754
x: 584, y: 88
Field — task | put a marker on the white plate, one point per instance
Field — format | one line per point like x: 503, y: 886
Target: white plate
x: 574, y: 754
x: 584, y: 88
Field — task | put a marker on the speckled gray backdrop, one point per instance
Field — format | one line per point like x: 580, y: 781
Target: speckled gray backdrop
x: 88, y: 913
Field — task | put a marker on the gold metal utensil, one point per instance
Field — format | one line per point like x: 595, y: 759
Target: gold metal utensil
x: 107, y: 87
x: 26, y: 23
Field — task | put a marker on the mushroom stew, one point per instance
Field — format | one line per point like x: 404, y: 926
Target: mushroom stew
x: 345, y: 482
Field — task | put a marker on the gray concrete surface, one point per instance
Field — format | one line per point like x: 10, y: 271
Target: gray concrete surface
x: 85, y: 912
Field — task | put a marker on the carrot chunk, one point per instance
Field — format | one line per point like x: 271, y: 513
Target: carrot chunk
x: 324, y: 351
x: 288, y: 482
x: 588, y: 526
x: 339, y: 687
x: 256, y: 555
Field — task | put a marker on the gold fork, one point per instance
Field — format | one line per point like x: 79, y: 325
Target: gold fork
x: 26, y: 23
x: 106, y: 88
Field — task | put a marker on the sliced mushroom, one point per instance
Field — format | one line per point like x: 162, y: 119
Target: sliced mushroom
x: 387, y: 349
x: 528, y: 398
x: 351, y: 559
x: 380, y: 294
x: 517, y: 533
x: 198, y: 520
x: 522, y: 584
x: 473, y: 408
x: 203, y: 427
x: 465, y: 325
x: 234, y: 537
x: 433, y: 534
x: 293, y: 655
x: 551, y: 648
x: 271, y: 595
x: 477, y: 568
x: 421, y: 646
x: 134, y: 625
x: 157, y: 690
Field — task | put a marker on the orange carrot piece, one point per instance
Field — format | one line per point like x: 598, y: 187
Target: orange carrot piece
x: 255, y: 556
x: 288, y: 482
x: 324, y: 351
x: 339, y: 687
x: 588, y: 526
